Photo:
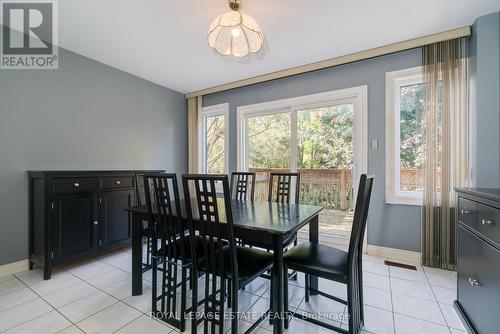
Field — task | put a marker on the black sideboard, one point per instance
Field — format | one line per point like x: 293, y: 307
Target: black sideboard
x: 77, y: 214
x: 478, y: 294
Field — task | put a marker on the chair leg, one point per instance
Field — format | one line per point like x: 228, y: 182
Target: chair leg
x: 307, y: 287
x: 154, y: 287
x: 194, y: 303
x: 234, y: 308
x: 271, y: 301
x: 361, y: 305
x: 148, y: 251
x: 222, y: 302
x: 229, y: 287
x: 183, y: 299
x: 285, y: 296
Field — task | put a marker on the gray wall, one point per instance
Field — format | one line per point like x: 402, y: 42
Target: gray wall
x: 395, y: 226
x: 485, y: 100
x: 86, y: 115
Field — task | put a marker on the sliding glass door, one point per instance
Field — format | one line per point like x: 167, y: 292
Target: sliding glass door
x: 321, y: 140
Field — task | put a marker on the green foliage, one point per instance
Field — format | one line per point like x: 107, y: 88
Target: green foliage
x: 412, y: 106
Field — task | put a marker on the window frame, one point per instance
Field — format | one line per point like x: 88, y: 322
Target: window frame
x: 206, y: 112
x: 394, y: 81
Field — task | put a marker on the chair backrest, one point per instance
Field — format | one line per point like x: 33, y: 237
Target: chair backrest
x: 359, y: 221
x: 284, y: 184
x: 242, y: 186
x: 209, y: 216
x: 140, y: 194
x: 162, y: 200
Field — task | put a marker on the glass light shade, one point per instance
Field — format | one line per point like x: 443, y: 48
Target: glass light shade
x: 235, y: 33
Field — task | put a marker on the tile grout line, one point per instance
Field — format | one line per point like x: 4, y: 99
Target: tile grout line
x: 392, y: 302
x: 439, y: 305
x: 53, y: 308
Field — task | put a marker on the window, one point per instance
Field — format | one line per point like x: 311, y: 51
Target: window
x: 405, y: 130
x: 213, y: 139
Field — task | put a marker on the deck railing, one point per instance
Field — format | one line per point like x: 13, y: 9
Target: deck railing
x: 330, y: 188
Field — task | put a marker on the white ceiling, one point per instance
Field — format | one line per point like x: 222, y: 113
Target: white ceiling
x: 164, y: 41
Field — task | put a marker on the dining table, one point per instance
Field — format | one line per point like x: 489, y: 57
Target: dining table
x: 261, y: 223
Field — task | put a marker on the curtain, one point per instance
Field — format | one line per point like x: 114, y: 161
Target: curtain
x: 194, y: 105
x: 445, y: 133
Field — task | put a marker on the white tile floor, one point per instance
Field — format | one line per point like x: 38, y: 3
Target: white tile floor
x: 94, y: 296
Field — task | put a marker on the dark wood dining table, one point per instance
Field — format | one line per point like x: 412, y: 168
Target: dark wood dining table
x: 262, y: 222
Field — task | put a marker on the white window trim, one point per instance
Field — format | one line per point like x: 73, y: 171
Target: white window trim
x: 215, y: 110
x: 394, y: 81
x: 356, y: 95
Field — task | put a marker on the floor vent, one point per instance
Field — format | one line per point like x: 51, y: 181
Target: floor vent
x: 399, y: 265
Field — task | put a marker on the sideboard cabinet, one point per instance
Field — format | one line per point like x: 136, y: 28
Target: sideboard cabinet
x: 77, y: 214
x: 478, y: 295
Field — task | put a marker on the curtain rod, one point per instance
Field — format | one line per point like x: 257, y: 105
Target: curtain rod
x: 350, y: 58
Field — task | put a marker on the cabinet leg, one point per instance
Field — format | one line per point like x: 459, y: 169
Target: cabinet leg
x: 31, y: 266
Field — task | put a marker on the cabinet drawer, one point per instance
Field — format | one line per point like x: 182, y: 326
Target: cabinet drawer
x: 117, y: 182
x: 478, y: 284
x: 467, y: 212
x: 74, y: 184
x: 488, y: 219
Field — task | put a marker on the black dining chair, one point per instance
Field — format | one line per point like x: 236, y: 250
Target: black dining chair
x: 140, y: 199
x: 171, y: 249
x: 336, y: 265
x: 210, y: 217
x: 242, y: 187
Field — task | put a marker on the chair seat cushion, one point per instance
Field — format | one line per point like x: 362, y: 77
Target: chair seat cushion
x: 251, y: 263
x: 318, y: 260
x: 162, y: 252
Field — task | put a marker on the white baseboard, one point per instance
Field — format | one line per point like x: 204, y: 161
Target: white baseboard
x: 394, y: 253
x: 14, y: 267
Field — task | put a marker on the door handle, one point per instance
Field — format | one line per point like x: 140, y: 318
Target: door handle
x: 487, y: 222
x: 473, y: 282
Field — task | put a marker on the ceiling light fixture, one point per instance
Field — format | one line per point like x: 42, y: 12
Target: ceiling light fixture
x: 235, y: 33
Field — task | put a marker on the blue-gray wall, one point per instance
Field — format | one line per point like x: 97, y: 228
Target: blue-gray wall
x: 86, y: 115
x: 485, y: 100
x: 395, y: 226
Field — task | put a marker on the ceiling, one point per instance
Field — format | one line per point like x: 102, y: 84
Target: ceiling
x: 164, y: 41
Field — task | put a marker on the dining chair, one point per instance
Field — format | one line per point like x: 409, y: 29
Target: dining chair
x: 241, y: 182
x: 171, y: 248
x: 336, y: 265
x: 210, y: 216
x: 140, y: 199
x: 286, y: 184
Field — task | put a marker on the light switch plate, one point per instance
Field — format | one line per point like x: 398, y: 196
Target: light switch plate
x: 374, y: 144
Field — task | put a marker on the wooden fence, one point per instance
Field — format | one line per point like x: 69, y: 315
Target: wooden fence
x: 330, y: 188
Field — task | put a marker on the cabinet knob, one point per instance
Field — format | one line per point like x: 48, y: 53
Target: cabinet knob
x: 96, y: 222
x: 118, y: 182
x: 487, y: 222
x: 76, y: 184
x: 473, y: 282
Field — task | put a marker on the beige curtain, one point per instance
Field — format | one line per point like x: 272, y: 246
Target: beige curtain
x: 446, y: 148
x: 194, y: 107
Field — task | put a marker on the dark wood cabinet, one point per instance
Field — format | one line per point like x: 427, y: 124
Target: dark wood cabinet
x: 116, y: 224
x: 478, y: 285
x: 75, y: 223
x: 77, y: 214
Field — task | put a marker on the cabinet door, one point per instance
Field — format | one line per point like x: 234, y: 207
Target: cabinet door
x: 116, y: 223
x: 478, y: 283
x: 75, y: 226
